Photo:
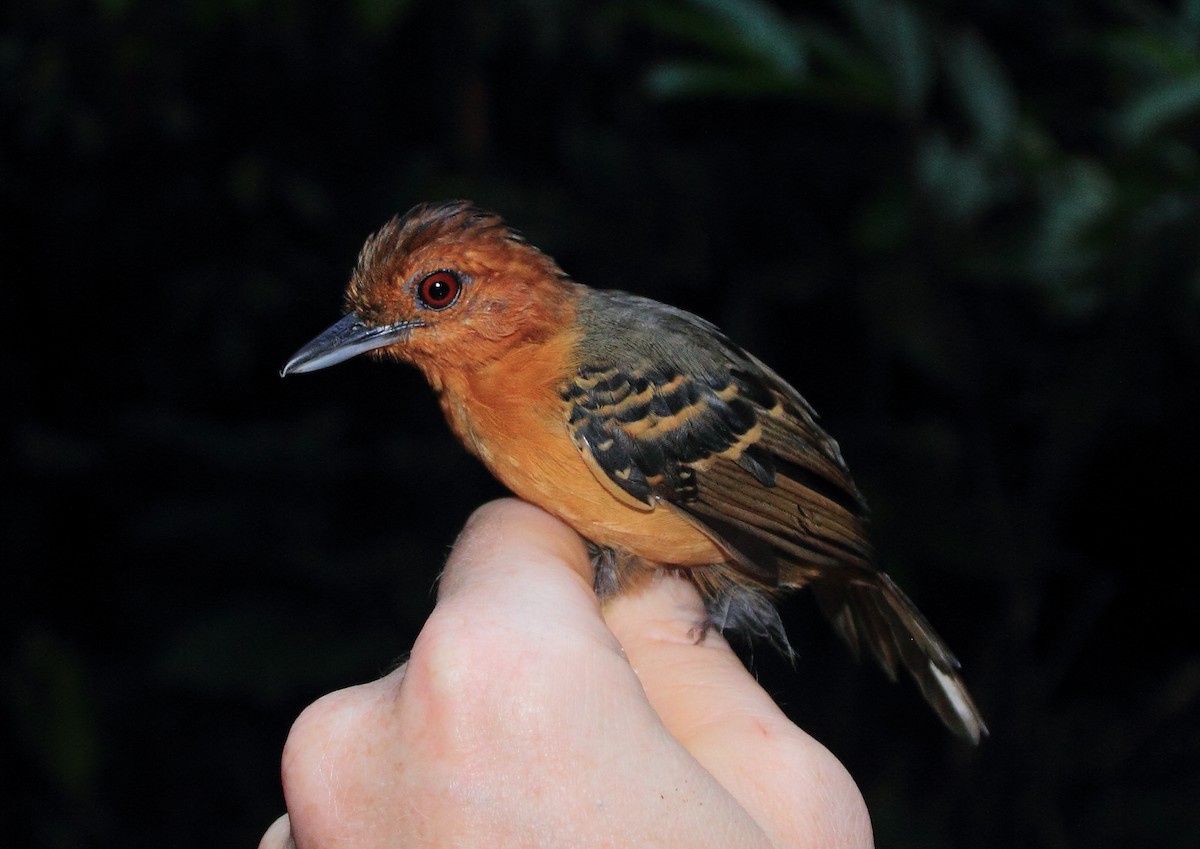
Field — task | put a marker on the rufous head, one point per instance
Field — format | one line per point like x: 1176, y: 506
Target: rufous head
x: 443, y: 285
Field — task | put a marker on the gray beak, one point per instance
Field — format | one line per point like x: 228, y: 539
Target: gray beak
x: 348, y: 338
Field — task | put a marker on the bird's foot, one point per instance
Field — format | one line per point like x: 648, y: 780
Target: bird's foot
x: 605, y: 571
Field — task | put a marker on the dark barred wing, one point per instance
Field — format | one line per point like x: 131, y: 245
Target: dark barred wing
x: 723, y: 447
x: 667, y: 409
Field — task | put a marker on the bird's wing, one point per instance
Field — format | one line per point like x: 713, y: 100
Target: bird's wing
x: 664, y: 408
x: 720, y: 437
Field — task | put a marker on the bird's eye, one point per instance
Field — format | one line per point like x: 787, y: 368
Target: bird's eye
x: 439, y: 290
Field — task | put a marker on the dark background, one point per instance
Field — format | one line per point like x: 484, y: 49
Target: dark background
x: 969, y: 233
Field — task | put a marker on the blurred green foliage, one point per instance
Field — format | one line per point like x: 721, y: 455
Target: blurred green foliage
x: 968, y: 233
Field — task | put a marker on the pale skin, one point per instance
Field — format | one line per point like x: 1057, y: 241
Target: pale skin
x: 528, y: 716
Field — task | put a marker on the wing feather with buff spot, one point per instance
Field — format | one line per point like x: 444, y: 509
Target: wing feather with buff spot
x: 667, y: 411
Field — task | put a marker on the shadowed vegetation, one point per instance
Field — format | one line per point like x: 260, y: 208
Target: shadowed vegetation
x: 966, y: 232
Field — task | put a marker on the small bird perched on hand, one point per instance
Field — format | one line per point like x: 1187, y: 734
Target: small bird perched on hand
x: 640, y: 425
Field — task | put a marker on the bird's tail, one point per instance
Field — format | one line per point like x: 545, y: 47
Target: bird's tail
x: 869, y: 608
x: 865, y: 607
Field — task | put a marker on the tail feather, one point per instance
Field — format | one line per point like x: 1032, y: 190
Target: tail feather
x: 869, y: 608
x: 877, y: 631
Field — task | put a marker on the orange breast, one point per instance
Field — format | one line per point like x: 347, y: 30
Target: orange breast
x: 511, y: 416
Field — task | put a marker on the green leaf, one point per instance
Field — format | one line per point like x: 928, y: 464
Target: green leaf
x: 1155, y: 109
x: 956, y: 178
x: 1138, y: 52
x: 697, y: 79
x: 691, y: 26
x: 1074, y: 200
x: 983, y: 90
x: 742, y: 31
x: 900, y: 37
x: 764, y: 32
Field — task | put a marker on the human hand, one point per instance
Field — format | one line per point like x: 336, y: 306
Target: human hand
x: 526, y: 715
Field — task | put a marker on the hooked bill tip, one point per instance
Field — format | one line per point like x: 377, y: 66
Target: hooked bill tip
x: 304, y: 360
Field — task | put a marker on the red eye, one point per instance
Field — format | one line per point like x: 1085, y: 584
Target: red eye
x: 439, y: 290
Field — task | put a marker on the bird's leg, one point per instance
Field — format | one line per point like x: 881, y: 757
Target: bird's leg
x: 615, y: 572
x: 606, y: 570
x: 740, y: 606
x: 716, y: 615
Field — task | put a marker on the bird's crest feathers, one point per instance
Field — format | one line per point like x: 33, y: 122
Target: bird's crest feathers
x: 499, y: 289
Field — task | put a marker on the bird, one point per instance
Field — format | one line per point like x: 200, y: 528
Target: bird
x: 644, y: 427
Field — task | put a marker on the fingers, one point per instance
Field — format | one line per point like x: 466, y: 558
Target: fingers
x: 695, y: 682
x: 513, y: 532
x: 519, y: 713
x: 792, y: 786
x: 335, y: 765
x: 278, y: 836
x: 517, y: 721
x: 511, y: 559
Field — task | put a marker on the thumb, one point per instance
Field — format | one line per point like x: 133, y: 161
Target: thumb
x: 692, y: 677
x: 708, y: 701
